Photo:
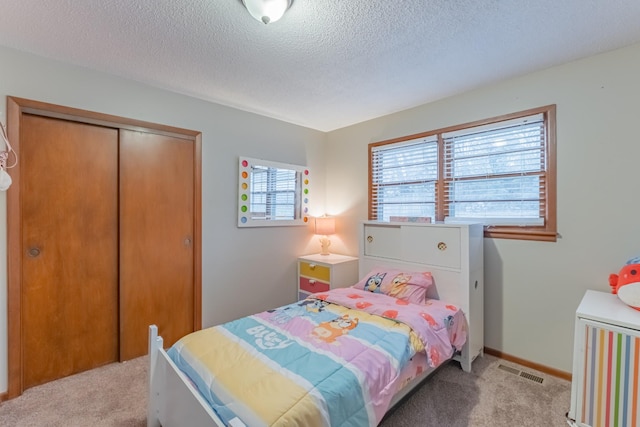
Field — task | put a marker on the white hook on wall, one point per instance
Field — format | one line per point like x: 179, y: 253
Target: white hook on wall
x: 5, y: 179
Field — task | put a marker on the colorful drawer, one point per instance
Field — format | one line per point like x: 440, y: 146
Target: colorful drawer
x: 313, y: 285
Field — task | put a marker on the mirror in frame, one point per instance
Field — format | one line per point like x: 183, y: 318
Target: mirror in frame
x: 272, y: 193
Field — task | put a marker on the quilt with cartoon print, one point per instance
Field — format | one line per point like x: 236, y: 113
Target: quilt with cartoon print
x: 333, y: 359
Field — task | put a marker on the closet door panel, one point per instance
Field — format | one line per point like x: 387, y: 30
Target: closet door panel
x: 156, y: 239
x: 69, y: 187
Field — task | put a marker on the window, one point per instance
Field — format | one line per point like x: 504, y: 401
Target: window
x: 500, y: 172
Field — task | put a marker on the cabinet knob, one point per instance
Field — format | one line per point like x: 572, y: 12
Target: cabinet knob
x: 312, y: 266
x: 312, y: 282
x: 369, y: 239
x: 442, y: 246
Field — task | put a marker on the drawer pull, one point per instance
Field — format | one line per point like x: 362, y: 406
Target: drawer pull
x: 369, y: 239
x: 312, y: 282
x: 442, y: 246
x: 312, y: 266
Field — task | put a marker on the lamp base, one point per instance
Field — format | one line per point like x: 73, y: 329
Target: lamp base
x: 324, y: 245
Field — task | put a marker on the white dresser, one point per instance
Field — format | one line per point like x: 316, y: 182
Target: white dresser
x: 605, y: 389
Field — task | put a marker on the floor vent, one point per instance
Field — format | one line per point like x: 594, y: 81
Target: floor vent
x: 526, y: 375
x: 532, y: 377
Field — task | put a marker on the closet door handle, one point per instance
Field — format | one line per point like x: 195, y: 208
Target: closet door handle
x: 33, y: 252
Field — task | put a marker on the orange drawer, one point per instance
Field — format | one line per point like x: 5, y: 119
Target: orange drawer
x: 315, y: 271
x: 312, y: 285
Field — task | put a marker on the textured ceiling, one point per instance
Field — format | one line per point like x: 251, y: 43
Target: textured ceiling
x: 327, y: 63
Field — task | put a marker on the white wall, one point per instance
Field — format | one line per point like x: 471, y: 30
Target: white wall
x: 533, y: 288
x: 243, y: 270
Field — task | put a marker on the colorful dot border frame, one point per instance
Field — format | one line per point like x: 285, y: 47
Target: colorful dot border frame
x: 245, y: 165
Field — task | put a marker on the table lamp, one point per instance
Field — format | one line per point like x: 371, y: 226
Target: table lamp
x: 325, y: 226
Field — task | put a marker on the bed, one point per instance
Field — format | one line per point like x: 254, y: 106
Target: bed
x: 341, y: 357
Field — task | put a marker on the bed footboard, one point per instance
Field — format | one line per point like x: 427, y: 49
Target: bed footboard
x: 173, y: 400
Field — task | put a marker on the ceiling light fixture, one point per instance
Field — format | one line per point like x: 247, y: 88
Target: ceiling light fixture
x: 267, y: 11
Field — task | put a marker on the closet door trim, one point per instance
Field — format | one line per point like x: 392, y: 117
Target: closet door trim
x: 16, y: 107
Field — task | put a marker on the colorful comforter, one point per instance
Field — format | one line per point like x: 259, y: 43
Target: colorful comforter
x: 333, y: 359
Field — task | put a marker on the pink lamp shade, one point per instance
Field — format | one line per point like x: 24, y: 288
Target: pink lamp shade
x: 325, y: 226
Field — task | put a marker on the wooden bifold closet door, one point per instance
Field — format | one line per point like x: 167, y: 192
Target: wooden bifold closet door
x: 70, y: 247
x: 103, y: 239
x: 156, y: 239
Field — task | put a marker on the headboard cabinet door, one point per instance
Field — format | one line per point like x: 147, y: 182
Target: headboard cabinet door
x: 382, y: 241
x: 432, y: 245
x: 435, y: 245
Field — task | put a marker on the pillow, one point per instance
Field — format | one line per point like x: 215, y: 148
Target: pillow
x: 410, y: 286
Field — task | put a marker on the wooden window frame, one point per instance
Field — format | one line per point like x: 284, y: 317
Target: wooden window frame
x: 548, y: 231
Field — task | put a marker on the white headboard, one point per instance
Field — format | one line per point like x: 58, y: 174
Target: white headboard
x: 453, y: 253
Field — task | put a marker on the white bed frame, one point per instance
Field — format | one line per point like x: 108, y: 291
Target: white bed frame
x: 453, y: 253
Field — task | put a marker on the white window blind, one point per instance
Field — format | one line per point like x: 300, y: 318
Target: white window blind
x: 404, y: 177
x: 496, y: 174
x: 273, y: 193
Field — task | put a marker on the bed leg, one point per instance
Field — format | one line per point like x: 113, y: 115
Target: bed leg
x: 465, y: 363
x: 155, y: 342
x: 465, y: 359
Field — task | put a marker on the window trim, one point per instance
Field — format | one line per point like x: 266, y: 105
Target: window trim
x: 548, y: 231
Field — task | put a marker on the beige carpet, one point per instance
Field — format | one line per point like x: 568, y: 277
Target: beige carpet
x: 113, y: 395
x: 495, y: 394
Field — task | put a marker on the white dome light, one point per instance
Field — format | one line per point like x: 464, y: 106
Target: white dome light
x: 267, y: 11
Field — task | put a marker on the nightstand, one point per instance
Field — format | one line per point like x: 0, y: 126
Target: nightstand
x: 319, y: 273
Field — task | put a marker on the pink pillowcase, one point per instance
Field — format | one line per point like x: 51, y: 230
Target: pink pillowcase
x: 409, y: 286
